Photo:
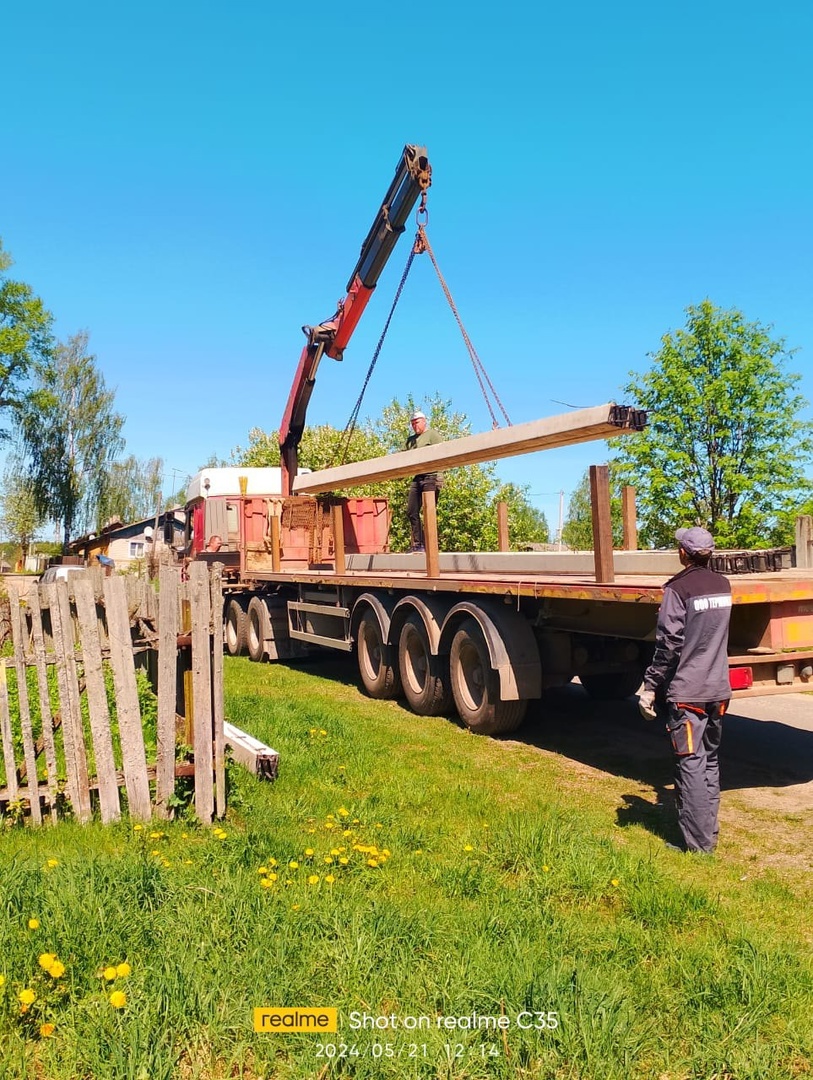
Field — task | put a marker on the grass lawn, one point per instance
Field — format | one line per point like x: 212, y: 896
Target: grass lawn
x: 470, y: 906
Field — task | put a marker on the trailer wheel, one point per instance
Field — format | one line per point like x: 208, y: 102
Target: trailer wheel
x: 255, y: 619
x: 424, y: 677
x: 611, y: 685
x: 475, y: 685
x: 379, y: 677
x: 236, y: 627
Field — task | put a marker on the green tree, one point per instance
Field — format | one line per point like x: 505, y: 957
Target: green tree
x: 20, y: 520
x: 72, y: 436
x: 25, y: 337
x: 725, y: 447
x: 467, y: 514
x: 131, y: 491
x: 577, y: 530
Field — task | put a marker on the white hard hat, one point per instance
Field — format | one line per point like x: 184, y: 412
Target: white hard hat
x: 417, y: 415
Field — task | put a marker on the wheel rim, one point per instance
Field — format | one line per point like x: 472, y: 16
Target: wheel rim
x: 231, y: 633
x: 254, y: 631
x: 471, y: 676
x: 417, y: 661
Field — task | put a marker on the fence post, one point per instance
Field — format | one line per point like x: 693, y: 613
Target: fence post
x: 602, y: 523
x: 24, y: 707
x: 167, y: 688
x: 76, y: 763
x: 202, y: 690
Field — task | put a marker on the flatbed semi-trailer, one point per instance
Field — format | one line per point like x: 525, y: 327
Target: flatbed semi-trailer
x: 489, y: 632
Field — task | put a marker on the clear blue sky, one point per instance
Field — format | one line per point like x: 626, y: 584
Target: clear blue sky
x: 192, y: 182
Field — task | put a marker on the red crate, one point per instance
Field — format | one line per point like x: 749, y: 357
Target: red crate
x: 366, y: 526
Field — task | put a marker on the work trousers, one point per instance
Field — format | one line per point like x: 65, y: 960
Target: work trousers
x: 695, y: 729
x: 419, y: 485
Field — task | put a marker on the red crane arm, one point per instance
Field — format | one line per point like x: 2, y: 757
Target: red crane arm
x: 412, y: 177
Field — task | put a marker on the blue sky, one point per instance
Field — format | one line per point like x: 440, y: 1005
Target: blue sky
x: 191, y: 183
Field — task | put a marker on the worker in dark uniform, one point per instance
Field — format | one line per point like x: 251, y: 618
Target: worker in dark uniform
x: 688, y: 681
x: 421, y: 436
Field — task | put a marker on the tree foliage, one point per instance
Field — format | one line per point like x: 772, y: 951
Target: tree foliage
x: 25, y: 337
x: 131, y: 491
x: 725, y: 447
x: 20, y: 519
x: 467, y: 514
x: 72, y: 436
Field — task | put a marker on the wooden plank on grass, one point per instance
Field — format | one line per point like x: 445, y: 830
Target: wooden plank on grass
x: 167, y: 688
x: 76, y: 765
x: 582, y: 425
x: 18, y: 636
x: 133, y: 758
x: 88, y: 621
x: 218, y: 707
x: 201, y: 690
x: 9, y: 764
x: 49, y: 745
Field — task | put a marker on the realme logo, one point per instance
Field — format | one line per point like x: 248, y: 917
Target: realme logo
x: 282, y: 1020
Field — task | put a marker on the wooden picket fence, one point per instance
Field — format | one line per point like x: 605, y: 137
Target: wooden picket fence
x: 71, y: 632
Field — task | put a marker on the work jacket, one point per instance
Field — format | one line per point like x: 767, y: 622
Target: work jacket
x: 691, y: 658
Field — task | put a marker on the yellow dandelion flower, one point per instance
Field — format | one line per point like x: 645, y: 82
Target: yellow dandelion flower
x: 344, y: 860
x: 419, y: 851
x: 312, y: 731
x: 262, y: 869
x: 356, y: 821
x: 328, y: 859
x: 267, y: 883
x: 187, y: 862
x: 33, y: 924
x: 329, y: 878
x: 156, y: 835
x: 46, y: 1030
x: 288, y: 881
x: 322, y: 731
x: 347, y: 832
x: 335, y: 851
x: 272, y: 876
x: 343, y: 812
x: 342, y: 768
x: 118, y: 999
x: 56, y: 970
x: 386, y: 852
x: 123, y: 970
x: 52, y: 863
x: 2, y: 980
x: 486, y: 825
x: 273, y: 862
x: 27, y: 996
x: 615, y: 883
x: 295, y: 907
x: 138, y: 828
x: 468, y: 847
x: 109, y: 974
x: 293, y: 865
x: 313, y: 879
x: 166, y: 862
x: 372, y: 862
x: 378, y: 825
x: 155, y: 851
x: 546, y: 869
x: 309, y: 851
x: 311, y: 832
x: 46, y: 959
x: 330, y: 824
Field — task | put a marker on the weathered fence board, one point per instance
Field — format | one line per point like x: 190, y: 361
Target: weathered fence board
x: 202, y: 690
x: 131, y: 735
x: 76, y: 765
x: 9, y: 764
x: 38, y: 642
x: 109, y: 805
x: 218, y: 713
x: 167, y: 688
x: 24, y: 707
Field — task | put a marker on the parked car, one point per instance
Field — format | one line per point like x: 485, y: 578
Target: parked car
x: 57, y: 573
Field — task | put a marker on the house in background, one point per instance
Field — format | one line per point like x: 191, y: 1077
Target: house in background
x: 129, y: 544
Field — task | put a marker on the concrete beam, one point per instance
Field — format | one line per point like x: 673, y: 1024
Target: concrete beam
x: 582, y: 425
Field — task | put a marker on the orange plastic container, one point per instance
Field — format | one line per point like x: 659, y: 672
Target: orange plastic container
x: 366, y: 526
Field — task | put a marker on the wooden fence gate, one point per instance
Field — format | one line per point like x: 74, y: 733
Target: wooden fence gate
x: 69, y: 695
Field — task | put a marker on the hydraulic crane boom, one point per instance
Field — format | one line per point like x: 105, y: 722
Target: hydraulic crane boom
x: 412, y: 178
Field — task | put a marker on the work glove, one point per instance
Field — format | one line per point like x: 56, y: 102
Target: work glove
x: 646, y: 704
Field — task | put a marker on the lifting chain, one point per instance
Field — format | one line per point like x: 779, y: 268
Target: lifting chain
x: 421, y: 244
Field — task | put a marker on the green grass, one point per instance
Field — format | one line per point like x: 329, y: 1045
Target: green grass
x: 482, y: 876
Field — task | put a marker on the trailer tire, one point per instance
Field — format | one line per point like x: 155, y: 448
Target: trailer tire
x: 424, y: 677
x: 611, y: 685
x: 476, y: 687
x: 236, y: 628
x: 379, y: 677
x: 255, y: 624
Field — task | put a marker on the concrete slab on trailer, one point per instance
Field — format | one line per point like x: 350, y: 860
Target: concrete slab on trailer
x: 660, y: 564
x: 582, y: 425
